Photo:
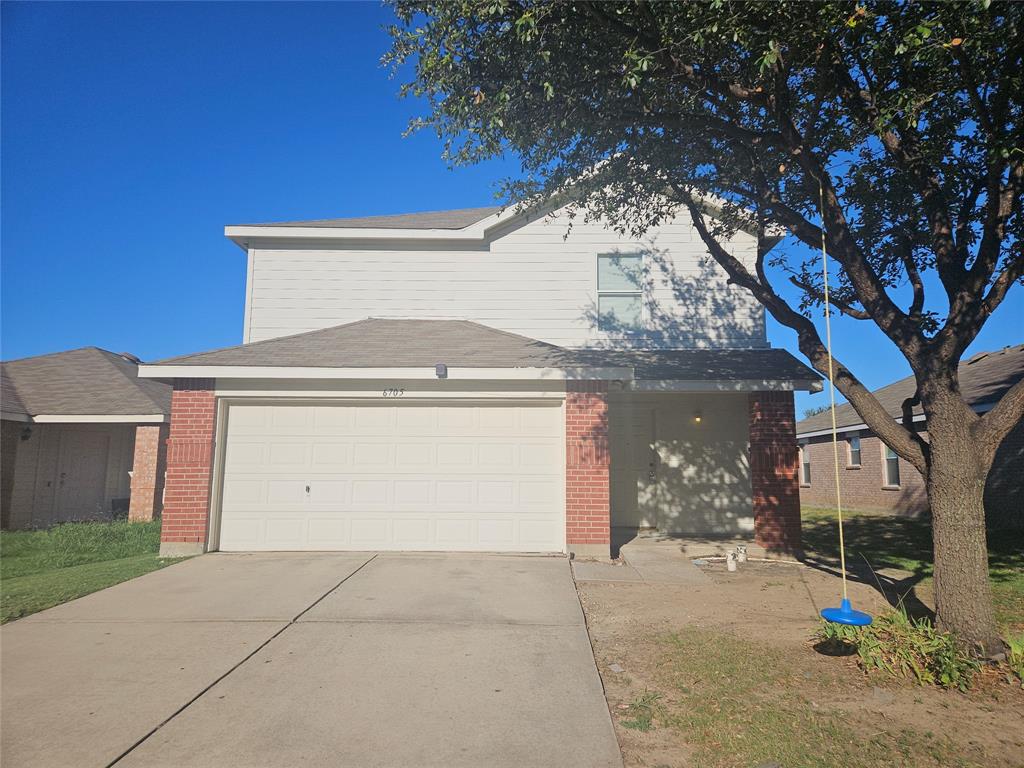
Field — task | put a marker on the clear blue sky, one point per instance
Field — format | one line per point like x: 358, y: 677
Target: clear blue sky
x: 133, y: 132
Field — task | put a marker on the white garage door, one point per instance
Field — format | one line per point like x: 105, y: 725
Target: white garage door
x: 446, y: 476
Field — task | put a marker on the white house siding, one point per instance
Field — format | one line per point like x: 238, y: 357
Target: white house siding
x: 37, y: 497
x: 533, y: 281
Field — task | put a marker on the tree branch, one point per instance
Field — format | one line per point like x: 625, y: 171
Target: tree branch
x: 995, y: 425
x: 809, y: 341
x: 842, y: 306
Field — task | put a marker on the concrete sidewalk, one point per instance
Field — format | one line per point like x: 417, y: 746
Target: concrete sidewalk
x: 312, y: 659
x: 647, y: 559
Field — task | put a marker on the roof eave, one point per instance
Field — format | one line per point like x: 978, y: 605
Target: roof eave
x: 244, y: 235
x: 168, y: 372
x: 725, y: 385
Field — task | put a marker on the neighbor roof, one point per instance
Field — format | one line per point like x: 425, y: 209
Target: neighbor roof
x: 81, y: 382
x: 455, y: 219
x: 384, y: 343
x: 984, y: 379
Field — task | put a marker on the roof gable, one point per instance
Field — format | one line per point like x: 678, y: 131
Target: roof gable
x: 81, y: 382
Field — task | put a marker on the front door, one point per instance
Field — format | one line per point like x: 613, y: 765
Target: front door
x: 81, y: 475
x: 634, y: 465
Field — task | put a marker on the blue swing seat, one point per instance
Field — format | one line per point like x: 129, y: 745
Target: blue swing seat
x: 844, y: 614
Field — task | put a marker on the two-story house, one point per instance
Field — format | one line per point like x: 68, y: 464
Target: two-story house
x: 481, y: 380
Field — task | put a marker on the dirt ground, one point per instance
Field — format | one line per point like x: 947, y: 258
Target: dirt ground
x: 770, y: 609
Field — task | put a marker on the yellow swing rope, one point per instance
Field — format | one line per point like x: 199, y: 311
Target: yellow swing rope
x: 831, y: 386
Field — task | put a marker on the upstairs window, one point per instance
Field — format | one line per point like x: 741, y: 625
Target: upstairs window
x: 891, y: 468
x: 620, y: 306
x: 853, y: 450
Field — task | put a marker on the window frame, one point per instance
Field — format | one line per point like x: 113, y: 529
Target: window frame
x: 805, y: 465
x: 638, y: 293
x: 850, y: 463
x: 886, y: 478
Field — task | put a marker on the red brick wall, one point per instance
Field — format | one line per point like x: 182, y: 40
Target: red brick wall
x: 862, y: 488
x: 773, y: 470
x: 189, y: 463
x: 148, y: 470
x: 587, y: 504
x: 1004, y: 491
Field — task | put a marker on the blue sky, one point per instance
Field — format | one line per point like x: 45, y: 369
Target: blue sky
x: 133, y: 132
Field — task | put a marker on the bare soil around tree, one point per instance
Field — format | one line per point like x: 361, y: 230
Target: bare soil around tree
x: 725, y: 673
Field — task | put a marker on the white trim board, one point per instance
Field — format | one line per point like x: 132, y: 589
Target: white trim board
x: 977, y: 408
x: 722, y: 385
x: 135, y: 418
x: 458, y: 374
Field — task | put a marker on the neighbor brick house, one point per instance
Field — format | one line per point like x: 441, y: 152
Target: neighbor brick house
x: 482, y: 380
x: 873, y: 478
x: 83, y: 438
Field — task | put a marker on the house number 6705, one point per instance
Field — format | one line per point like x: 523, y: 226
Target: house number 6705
x: 394, y: 392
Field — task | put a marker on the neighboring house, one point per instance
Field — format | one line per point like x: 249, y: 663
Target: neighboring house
x: 482, y: 380
x: 873, y: 477
x: 83, y: 438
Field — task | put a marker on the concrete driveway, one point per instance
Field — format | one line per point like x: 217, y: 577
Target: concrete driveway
x: 314, y: 660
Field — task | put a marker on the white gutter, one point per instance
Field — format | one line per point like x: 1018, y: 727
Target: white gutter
x: 458, y: 374
x: 723, y: 385
x: 94, y: 418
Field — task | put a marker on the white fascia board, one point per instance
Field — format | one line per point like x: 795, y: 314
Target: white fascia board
x: 474, y: 233
x: 851, y: 428
x: 723, y: 385
x: 249, y: 234
x: 463, y: 374
x: 977, y: 408
x: 93, y: 418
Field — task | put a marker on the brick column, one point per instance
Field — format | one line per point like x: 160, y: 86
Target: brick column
x: 773, y: 470
x: 189, y: 468
x: 148, y: 471
x: 587, y: 506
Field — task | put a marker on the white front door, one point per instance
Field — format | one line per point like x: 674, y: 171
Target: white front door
x: 442, y: 476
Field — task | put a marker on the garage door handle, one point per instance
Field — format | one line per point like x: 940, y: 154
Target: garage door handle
x: 307, y: 489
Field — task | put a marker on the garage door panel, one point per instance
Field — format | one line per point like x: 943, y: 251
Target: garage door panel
x: 331, y: 531
x: 331, y: 456
x: 409, y: 477
x: 328, y: 421
x: 337, y: 493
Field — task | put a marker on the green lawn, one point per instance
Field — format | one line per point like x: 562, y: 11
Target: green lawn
x: 40, y: 569
x: 893, y: 542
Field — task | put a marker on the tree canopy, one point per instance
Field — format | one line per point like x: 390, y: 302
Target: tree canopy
x: 892, y: 130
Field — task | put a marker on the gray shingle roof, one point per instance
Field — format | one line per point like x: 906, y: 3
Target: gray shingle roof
x: 380, y: 343
x: 984, y: 378
x: 455, y: 219
x: 87, y: 381
x: 714, y: 365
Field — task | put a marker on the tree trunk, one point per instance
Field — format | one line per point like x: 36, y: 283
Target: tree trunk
x: 956, y: 486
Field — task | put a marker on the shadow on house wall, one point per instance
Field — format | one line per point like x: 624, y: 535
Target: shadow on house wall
x: 698, y: 309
